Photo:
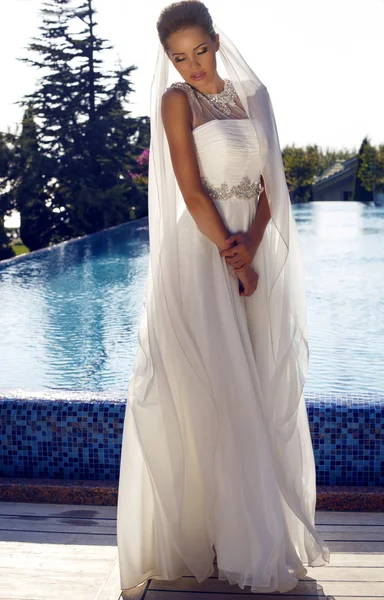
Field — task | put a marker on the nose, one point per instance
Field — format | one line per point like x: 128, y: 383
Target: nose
x: 195, y: 63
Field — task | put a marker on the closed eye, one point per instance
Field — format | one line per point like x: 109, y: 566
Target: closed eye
x: 202, y: 52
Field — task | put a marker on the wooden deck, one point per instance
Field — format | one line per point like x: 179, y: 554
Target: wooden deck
x: 69, y: 552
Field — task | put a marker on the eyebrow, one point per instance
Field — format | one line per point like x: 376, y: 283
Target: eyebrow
x: 174, y: 54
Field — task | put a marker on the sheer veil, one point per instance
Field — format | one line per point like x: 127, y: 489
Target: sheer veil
x: 166, y: 463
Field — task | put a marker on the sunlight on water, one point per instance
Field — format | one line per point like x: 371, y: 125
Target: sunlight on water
x: 343, y: 249
x: 69, y: 315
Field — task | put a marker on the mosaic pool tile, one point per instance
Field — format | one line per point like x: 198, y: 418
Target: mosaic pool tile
x: 77, y: 436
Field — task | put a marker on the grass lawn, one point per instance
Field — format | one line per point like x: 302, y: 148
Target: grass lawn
x: 19, y: 248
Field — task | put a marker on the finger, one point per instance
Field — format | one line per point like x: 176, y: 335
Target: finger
x: 237, y: 261
x: 226, y: 250
x: 241, y: 267
x: 233, y: 238
x: 231, y: 249
x: 229, y: 253
x: 231, y: 261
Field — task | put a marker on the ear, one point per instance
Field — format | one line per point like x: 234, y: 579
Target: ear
x: 217, y: 43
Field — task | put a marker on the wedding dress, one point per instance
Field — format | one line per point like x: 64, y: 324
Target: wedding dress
x: 200, y: 477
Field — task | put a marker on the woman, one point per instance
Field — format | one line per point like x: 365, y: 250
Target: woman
x: 217, y: 456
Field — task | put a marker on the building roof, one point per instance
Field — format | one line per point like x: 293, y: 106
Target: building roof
x: 332, y: 170
x: 340, y: 167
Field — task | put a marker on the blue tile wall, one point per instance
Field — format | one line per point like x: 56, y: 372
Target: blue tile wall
x: 348, y: 438
x: 78, y: 437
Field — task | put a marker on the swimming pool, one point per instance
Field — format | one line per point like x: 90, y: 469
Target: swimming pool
x: 69, y: 314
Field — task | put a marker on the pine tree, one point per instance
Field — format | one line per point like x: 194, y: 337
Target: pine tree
x: 34, y: 188
x: 83, y: 129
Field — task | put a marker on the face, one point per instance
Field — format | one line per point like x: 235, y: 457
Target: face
x: 193, y: 53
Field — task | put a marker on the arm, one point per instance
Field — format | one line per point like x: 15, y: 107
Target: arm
x: 241, y: 255
x: 261, y: 220
x: 176, y: 115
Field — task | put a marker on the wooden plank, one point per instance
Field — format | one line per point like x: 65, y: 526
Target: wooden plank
x: 94, y: 566
x: 59, y: 537
x: 354, y: 536
x: 324, y: 529
x: 98, y: 527
x: 306, y: 586
x: 137, y: 592
x: 101, y: 526
x: 333, y: 517
x: 70, y: 551
x: 43, y: 571
x: 110, y: 512
x: 152, y: 595
x: 56, y: 552
x: 342, y: 573
x: 52, y: 524
x: 356, y: 546
x: 355, y: 560
x: 58, y: 510
x: 44, y: 585
x: 110, y: 589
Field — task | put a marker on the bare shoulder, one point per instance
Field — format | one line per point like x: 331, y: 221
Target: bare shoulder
x: 177, y: 120
x: 175, y: 107
x: 174, y: 97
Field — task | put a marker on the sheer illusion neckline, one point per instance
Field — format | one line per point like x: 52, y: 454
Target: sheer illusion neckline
x: 228, y: 86
x: 223, y: 100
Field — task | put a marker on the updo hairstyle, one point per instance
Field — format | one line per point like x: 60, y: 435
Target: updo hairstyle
x: 180, y: 15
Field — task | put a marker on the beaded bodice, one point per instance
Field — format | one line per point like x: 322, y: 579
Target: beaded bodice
x: 229, y: 160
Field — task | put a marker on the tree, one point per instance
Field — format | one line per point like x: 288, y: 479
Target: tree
x: 85, y: 139
x: 360, y: 193
x: 5, y: 247
x: 301, y: 166
x: 6, y: 153
x: 29, y: 175
x: 371, y: 170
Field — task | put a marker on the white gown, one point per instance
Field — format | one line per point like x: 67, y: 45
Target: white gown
x: 240, y: 513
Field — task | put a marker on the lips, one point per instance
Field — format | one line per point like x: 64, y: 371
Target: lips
x: 199, y: 75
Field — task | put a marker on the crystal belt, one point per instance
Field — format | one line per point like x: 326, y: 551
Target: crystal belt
x: 244, y: 190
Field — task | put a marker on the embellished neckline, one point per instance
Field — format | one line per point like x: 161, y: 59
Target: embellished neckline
x: 222, y: 100
x: 225, y: 99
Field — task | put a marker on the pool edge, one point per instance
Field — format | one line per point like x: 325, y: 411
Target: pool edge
x: 104, y: 493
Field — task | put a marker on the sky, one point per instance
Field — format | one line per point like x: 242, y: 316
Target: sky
x: 320, y: 60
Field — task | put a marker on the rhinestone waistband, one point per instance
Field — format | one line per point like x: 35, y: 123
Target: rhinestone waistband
x: 245, y: 190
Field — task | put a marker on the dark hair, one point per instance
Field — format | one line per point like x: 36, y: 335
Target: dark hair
x: 180, y: 15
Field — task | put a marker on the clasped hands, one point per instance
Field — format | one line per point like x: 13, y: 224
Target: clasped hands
x: 239, y: 257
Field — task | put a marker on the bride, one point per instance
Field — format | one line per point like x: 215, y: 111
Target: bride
x: 217, y: 458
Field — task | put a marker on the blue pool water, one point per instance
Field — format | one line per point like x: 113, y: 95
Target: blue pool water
x: 69, y: 315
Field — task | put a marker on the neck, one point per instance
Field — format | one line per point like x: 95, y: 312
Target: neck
x: 215, y: 87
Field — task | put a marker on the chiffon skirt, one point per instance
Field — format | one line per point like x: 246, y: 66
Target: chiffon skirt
x: 208, y: 474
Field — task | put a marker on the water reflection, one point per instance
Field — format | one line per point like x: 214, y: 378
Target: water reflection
x: 69, y: 315
x: 344, y: 256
